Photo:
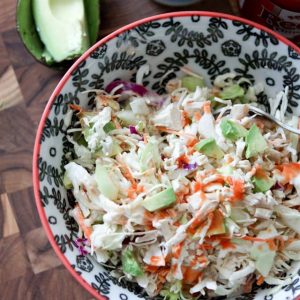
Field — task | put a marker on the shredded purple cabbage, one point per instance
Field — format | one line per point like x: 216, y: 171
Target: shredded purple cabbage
x: 278, y: 186
x: 133, y: 129
x: 127, y: 86
x: 190, y: 167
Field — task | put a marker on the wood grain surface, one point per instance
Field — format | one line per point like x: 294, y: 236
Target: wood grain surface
x: 29, y: 268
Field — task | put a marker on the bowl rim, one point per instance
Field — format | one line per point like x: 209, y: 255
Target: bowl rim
x: 65, y: 78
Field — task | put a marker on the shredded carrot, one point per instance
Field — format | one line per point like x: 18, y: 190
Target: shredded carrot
x: 176, y: 250
x: 126, y: 172
x: 227, y: 244
x: 134, y: 190
x: 192, y: 142
x: 238, y: 188
x: 290, y: 171
x: 75, y: 107
x: 182, y: 160
x: 131, y: 192
x: 190, y: 276
x: 157, y: 261
x: 116, y: 122
x: 202, y: 259
x: 260, y: 280
x: 171, y: 131
x: 185, y: 118
x: 229, y: 159
x: 260, y: 173
x: 217, y: 221
x: 270, y: 242
x: 151, y: 269
x: 198, y: 223
x: 206, y: 246
x: 87, y: 230
x: 199, y: 186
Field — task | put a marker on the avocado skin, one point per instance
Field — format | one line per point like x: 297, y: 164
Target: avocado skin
x: 27, y: 31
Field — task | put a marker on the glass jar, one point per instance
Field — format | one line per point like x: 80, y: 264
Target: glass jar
x: 282, y: 16
x: 177, y: 2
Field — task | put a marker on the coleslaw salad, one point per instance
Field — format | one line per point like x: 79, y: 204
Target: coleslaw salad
x: 182, y: 202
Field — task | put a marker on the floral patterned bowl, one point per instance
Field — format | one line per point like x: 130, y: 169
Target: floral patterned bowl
x: 210, y: 44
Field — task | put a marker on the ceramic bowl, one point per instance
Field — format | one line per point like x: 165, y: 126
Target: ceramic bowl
x: 210, y: 44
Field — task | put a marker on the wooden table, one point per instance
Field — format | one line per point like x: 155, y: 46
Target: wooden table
x: 29, y: 269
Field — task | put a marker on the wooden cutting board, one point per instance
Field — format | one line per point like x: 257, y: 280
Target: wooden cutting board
x: 29, y: 269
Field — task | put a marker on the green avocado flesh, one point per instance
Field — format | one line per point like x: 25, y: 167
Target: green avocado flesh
x: 54, y: 31
x: 262, y: 184
x: 130, y: 264
x: 255, y: 142
x: 232, y: 130
x: 160, y: 200
x: 191, y: 82
x: 210, y: 148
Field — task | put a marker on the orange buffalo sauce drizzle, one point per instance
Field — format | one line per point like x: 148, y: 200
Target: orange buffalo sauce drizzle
x: 238, y: 188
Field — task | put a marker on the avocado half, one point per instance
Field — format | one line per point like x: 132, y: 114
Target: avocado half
x: 28, y: 31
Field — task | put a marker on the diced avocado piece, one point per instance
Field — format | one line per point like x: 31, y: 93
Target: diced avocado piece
x: 62, y: 27
x: 130, y: 265
x: 262, y: 184
x: 127, y: 117
x: 225, y: 170
x: 232, y: 130
x: 232, y: 92
x: 67, y: 182
x: 210, y: 148
x: 161, y: 200
x: 109, y: 127
x: 217, y: 225
x: 263, y: 256
x: 255, y: 142
x: 105, y: 184
x: 191, y: 82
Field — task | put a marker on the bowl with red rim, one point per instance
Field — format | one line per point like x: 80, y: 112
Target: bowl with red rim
x: 210, y: 44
